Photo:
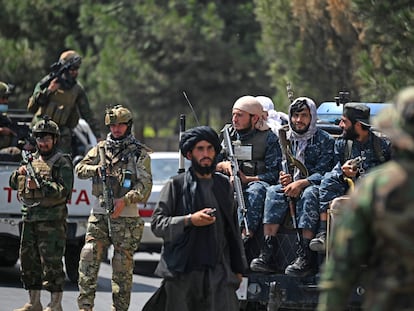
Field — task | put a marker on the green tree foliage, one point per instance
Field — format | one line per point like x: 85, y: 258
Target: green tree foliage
x: 387, y: 37
x: 146, y: 53
x: 309, y: 43
x: 143, y: 54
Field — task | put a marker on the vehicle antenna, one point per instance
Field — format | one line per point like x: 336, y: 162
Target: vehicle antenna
x: 192, y: 109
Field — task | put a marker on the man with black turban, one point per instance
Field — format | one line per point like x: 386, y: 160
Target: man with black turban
x: 202, y: 260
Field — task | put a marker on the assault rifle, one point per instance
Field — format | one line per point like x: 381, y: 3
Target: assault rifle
x: 289, y: 162
x: 108, y: 195
x: 27, y: 160
x: 235, y: 172
x: 57, y: 71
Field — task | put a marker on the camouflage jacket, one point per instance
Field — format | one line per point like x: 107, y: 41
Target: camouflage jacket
x: 375, y: 229
x: 55, y: 175
x: 79, y: 106
x: 127, y: 154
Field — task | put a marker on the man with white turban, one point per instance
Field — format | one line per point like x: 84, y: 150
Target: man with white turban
x: 258, y: 154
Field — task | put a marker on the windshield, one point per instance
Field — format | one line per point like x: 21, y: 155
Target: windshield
x: 163, y: 169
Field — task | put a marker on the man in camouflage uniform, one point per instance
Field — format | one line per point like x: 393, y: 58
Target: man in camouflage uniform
x: 10, y: 132
x: 259, y: 159
x: 114, y: 220
x: 44, y: 211
x: 357, y: 140
x: 64, y: 100
x: 314, y: 148
x: 376, y: 227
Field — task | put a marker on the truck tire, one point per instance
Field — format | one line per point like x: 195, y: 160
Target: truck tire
x: 72, y: 256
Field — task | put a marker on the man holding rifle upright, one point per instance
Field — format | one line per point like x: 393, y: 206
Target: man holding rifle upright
x: 44, y: 185
x: 120, y: 168
x: 258, y: 154
x: 310, y: 149
x: 60, y: 96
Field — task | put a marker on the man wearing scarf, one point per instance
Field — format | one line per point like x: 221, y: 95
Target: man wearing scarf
x: 259, y: 156
x: 314, y: 148
x: 127, y: 168
x: 202, y: 257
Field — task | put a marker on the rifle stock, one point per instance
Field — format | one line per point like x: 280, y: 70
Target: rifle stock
x: 236, y: 177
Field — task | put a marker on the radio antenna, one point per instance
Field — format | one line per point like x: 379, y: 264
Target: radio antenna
x: 191, y: 106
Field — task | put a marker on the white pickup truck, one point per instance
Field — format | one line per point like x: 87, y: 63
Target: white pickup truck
x: 79, y: 206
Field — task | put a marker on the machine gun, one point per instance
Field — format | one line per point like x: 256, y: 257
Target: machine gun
x: 235, y: 172
x: 289, y: 162
x: 108, y: 195
x: 28, y: 159
x: 57, y: 71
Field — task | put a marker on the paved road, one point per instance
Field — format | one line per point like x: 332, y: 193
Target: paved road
x: 12, y: 295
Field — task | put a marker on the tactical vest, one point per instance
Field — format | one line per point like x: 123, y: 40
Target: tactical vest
x: 257, y: 165
x: 62, y: 107
x: 123, y: 174
x: 43, y: 169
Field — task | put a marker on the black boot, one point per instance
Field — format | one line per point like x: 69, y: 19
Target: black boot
x: 266, y: 260
x: 305, y: 264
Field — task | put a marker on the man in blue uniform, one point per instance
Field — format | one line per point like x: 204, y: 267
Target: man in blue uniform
x: 258, y: 155
x: 357, y: 139
x: 376, y: 227
x: 314, y: 148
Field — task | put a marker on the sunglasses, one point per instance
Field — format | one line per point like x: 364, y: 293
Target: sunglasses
x: 74, y: 68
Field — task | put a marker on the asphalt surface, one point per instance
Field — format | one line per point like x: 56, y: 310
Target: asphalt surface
x: 12, y: 294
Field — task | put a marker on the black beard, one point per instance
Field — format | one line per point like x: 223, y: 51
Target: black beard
x: 46, y: 154
x: 350, y: 134
x: 203, y: 170
x: 300, y: 131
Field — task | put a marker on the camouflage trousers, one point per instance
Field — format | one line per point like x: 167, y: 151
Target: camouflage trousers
x: 254, y: 197
x: 42, y: 247
x: 307, y: 207
x: 126, y: 233
x: 332, y: 186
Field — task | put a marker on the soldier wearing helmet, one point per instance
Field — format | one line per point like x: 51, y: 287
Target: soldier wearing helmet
x: 376, y: 225
x: 123, y: 164
x: 9, y: 136
x: 44, y: 198
x: 64, y: 100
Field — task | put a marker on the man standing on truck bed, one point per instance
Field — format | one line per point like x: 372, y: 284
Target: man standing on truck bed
x: 314, y: 148
x: 44, y: 197
x: 120, y: 168
x: 8, y: 135
x: 63, y: 99
x: 376, y: 226
x: 357, y: 140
